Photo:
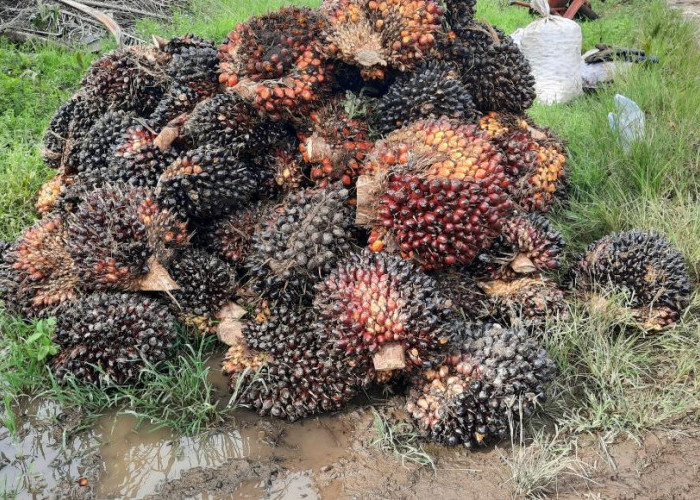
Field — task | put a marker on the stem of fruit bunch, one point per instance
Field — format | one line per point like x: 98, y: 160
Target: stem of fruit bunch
x: 109, y: 23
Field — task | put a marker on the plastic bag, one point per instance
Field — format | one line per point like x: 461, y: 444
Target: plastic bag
x: 552, y: 45
x: 627, y: 121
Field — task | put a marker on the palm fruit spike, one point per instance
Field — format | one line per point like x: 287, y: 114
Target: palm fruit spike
x: 51, y: 192
x: 459, y: 14
x: 206, y: 283
x: 284, y: 160
x: 533, y: 158
x: 57, y: 134
x: 463, y: 294
x: 380, y: 36
x: 225, y: 121
x: 300, y: 244
x: 473, y: 395
x: 37, y: 273
x: 115, y: 231
x: 433, y: 90
x: 495, y: 72
x: 267, y: 47
x: 207, y: 182
x: 136, y: 160
x: 177, y: 101
x: 524, y: 302
x: 230, y: 238
x: 129, y: 79
x: 644, y: 265
x: 296, y: 94
x: 335, y: 145
x: 527, y: 244
x: 107, y: 338
x: 373, y: 300
x: 307, y: 375
x: 445, y: 193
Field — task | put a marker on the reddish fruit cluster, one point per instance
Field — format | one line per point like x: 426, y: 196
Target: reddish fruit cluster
x: 377, y: 35
x: 335, y: 145
x: 51, y: 191
x: 38, y: 271
x: 267, y: 47
x: 374, y: 299
x: 452, y: 204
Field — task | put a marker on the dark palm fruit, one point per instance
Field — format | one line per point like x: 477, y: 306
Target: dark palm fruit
x: 471, y: 396
x: 433, y: 90
x: 178, y: 100
x: 527, y: 244
x: 114, y: 232
x: 51, y: 192
x: 306, y: 375
x: 284, y: 161
x: 371, y: 300
x: 136, y: 160
x: 194, y: 64
x: 207, y: 182
x: 644, y: 265
x: 231, y: 237
x: 463, y: 294
x: 98, y: 146
x: 206, y: 282
x: 459, y: 14
x: 107, y: 338
x: 226, y: 121
x: 266, y: 47
x: 524, y: 302
x: 37, y: 272
x: 495, y: 72
x: 377, y: 36
x: 300, y: 243
x: 70, y: 124
x: 129, y: 79
x: 335, y: 145
x: 445, y: 192
x: 533, y: 158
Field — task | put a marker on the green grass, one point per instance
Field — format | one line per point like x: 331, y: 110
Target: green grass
x: 400, y: 439
x: 613, y: 379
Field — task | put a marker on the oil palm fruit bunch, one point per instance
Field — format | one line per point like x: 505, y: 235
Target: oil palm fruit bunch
x: 335, y: 145
x: 643, y: 265
x: 128, y: 79
x: 378, y: 36
x: 230, y: 237
x: 472, y: 395
x: 115, y: 231
x: 371, y: 300
x: 37, y: 272
x: 433, y: 90
x: 445, y: 192
x: 300, y: 243
x: 277, y: 154
x: 109, y: 338
x: 266, y: 47
x: 303, y: 374
x: 193, y: 64
x: 68, y: 127
x: 51, y: 192
x: 226, y: 121
x: 528, y: 244
x: 463, y: 294
x: 207, y: 182
x: 206, y: 283
x: 494, y: 71
x: 534, y: 159
x: 524, y: 302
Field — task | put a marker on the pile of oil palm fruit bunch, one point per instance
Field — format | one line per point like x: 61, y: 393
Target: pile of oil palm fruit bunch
x: 350, y: 197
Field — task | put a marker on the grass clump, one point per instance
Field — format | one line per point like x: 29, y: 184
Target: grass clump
x: 400, y: 439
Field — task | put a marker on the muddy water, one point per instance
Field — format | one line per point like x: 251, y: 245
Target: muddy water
x: 122, y: 460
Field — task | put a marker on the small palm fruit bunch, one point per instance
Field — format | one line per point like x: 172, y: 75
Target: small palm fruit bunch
x: 643, y: 265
